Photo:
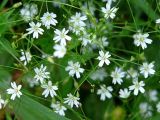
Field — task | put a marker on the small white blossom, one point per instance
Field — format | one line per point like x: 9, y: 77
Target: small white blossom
x: 117, y: 76
x: 60, y: 51
x: 77, y: 23
x: 141, y: 39
x: 99, y: 75
x: 76, y: 29
x: 48, y: 19
x: 145, y: 110
x: 14, y: 91
x: 59, y: 108
x: 109, y: 12
x: 158, y: 107
x: 35, y: 29
x: 1, y: 102
x: 32, y: 82
x: 61, y: 36
x: 131, y: 73
x: 103, y: 58
x: 29, y: 11
x: 105, y: 42
x: 158, y: 21
x: 104, y: 92
x: 85, y: 39
x: 147, y: 69
x: 41, y: 74
x: 124, y: 93
x: 74, y: 69
x: 49, y: 89
x: 26, y: 57
x: 72, y: 100
x: 77, y: 19
x: 153, y: 95
x: 137, y: 86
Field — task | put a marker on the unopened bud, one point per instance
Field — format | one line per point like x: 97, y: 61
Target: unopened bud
x: 50, y: 59
x: 24, y: 35
x: 16, y: 5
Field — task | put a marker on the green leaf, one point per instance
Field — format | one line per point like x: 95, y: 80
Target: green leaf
x: 28, y: 109
x: 7, y: 46
x: 146, y: 8
x: 4, y: 2
x: 6, y: 21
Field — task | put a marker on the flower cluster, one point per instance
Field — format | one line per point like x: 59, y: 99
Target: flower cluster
x: 29, y: 11
x: 83, y: 54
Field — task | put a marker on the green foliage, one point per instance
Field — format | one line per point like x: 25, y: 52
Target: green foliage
x: 132, y: 15
x: 28, y: 109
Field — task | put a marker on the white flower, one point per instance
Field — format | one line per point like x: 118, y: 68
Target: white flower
x: 29, y: 11
x: 117, y: 76
x: 35, y: 29
x: 99, y: 75
x: 103, y: 58
x: 41, y: 74
x: 158, y: 21
x: 78, y: 19
x: 147, y: 69
x: 137, y: 86
x: 26, y: 57
x: 32, y: 82
x: 49, y: 89
x: 153, y: 95
x: 145, y: 110
x: 48, y: 19
x: 77, y: 24
x: 158, y: 107
x: 109, y: 12
x: 1, y: 102
x: 124, y: 93
x: 77, y: 29
x: 61, y: 36
x: 72, y: 100
x: 131, y: 73
x: 59, y: 108
x: 74, y: 69
x: 85, y: 39
x: 104, y: 41
x: 14, y: 91
x: 60, y: 51
x: 104, y: 92
x: 141, y: 40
